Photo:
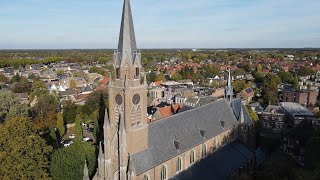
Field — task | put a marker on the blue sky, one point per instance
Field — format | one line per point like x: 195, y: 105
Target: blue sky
x: 160, y: 23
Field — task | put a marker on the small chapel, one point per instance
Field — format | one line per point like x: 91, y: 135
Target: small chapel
x: 133, y: 149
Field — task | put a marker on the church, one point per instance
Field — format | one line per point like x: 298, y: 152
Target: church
x: 136, y: 150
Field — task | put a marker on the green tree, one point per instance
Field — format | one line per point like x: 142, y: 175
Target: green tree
x: 67, y: 163
x: 23, y: 153
x: 15, y: 78
x: 253, y: 116
x: 69, y: 112
x: 60, y: 72
x: 152, y: 77
x: 10, y: 106
x: 270, y: 88
x: 306, y: 71
x: 78, y: 129
x: 286, y: 77
x: 94, y: 101
x: 176, y: 77
x: 38, y: 89
x: 295, y: 83
x: 247, y: 67
x: 60, y: 124
x: 23, y: 86
x: 239, y: 85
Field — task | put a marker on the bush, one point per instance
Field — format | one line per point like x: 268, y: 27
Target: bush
x: 68, y: 163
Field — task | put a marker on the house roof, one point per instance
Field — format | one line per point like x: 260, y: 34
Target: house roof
x: 183, y: 127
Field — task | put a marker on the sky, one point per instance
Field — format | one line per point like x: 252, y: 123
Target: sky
x: 73, y: 24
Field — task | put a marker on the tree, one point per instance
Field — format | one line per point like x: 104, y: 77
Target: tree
x: 44, y: 112
x: 60, y: 72
x: 67, y: 163
x: 295, y: 83
x: 240, y: 85
x: 247, y: 67
x: 69, y: 112
x: 10, y: 106
x: 15, y: 78
x: 38, y: 88
x: 176, y: 77
x: 23, y: 86
x: 152, y: 77
x: 60, y: 124
x: 3, y: 78
x: 72, y: 84
x: 306, y: 71
x: 160, y: 77
x: 95, y: 101
x: 270, y: 88
x: 253, y: 116
x: 23, y: 153
x: 259, y: 68
x: 286, y: 77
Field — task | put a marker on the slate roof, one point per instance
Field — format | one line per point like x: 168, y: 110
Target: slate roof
x: 236, y: 107
x: 219, y: 165
x: 184, y: 127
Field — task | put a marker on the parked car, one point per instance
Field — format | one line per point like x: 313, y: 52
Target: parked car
x: 90, y: 141
x: 89, y: 130
x: 66, y: 143
x: 72, y: 136
x: 85, y: 139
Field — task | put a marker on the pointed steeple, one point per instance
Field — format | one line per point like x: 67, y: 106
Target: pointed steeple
x: 127, y: 41
x: 106, y: 123
x: 229, y: 78
x: 85, y: 171
x: 228, y: 94
x: 100, y: 156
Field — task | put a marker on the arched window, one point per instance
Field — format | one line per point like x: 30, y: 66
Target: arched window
x: 145, y: 177
x: 214, y: 146
x: 179, y: 165
x: 137, y: 74
x: 192, y: 156
x: 118, y: 73
x: 163, y: 174
x: 204, y: 150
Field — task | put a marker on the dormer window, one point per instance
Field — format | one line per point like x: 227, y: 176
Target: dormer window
x: 118, y: 73
x: 137, y: 73
x: 202, y: 132
x: 176, y: 144
x: 222, y: 124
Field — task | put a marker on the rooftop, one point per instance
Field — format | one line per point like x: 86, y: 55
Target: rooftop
x: 295, y: 109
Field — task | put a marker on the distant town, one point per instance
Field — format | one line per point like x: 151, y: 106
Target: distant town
x: 64, y: 94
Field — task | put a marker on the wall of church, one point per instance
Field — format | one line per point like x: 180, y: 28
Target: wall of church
x: 171, y: 165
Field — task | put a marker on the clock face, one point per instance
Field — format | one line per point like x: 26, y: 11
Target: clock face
x: 136, y: 99
x: 118, y: 99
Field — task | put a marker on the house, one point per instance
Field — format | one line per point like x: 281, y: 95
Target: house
x: 303, y: 97
x: 157, y: 93
x: 247, y: 94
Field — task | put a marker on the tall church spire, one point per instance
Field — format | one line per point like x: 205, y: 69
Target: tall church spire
x: 228, y: 94
x: 127, y: 41
x: 85, y: 171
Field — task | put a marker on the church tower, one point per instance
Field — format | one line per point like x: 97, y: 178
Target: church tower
x: 228, y: 90
x: 125, y: 124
